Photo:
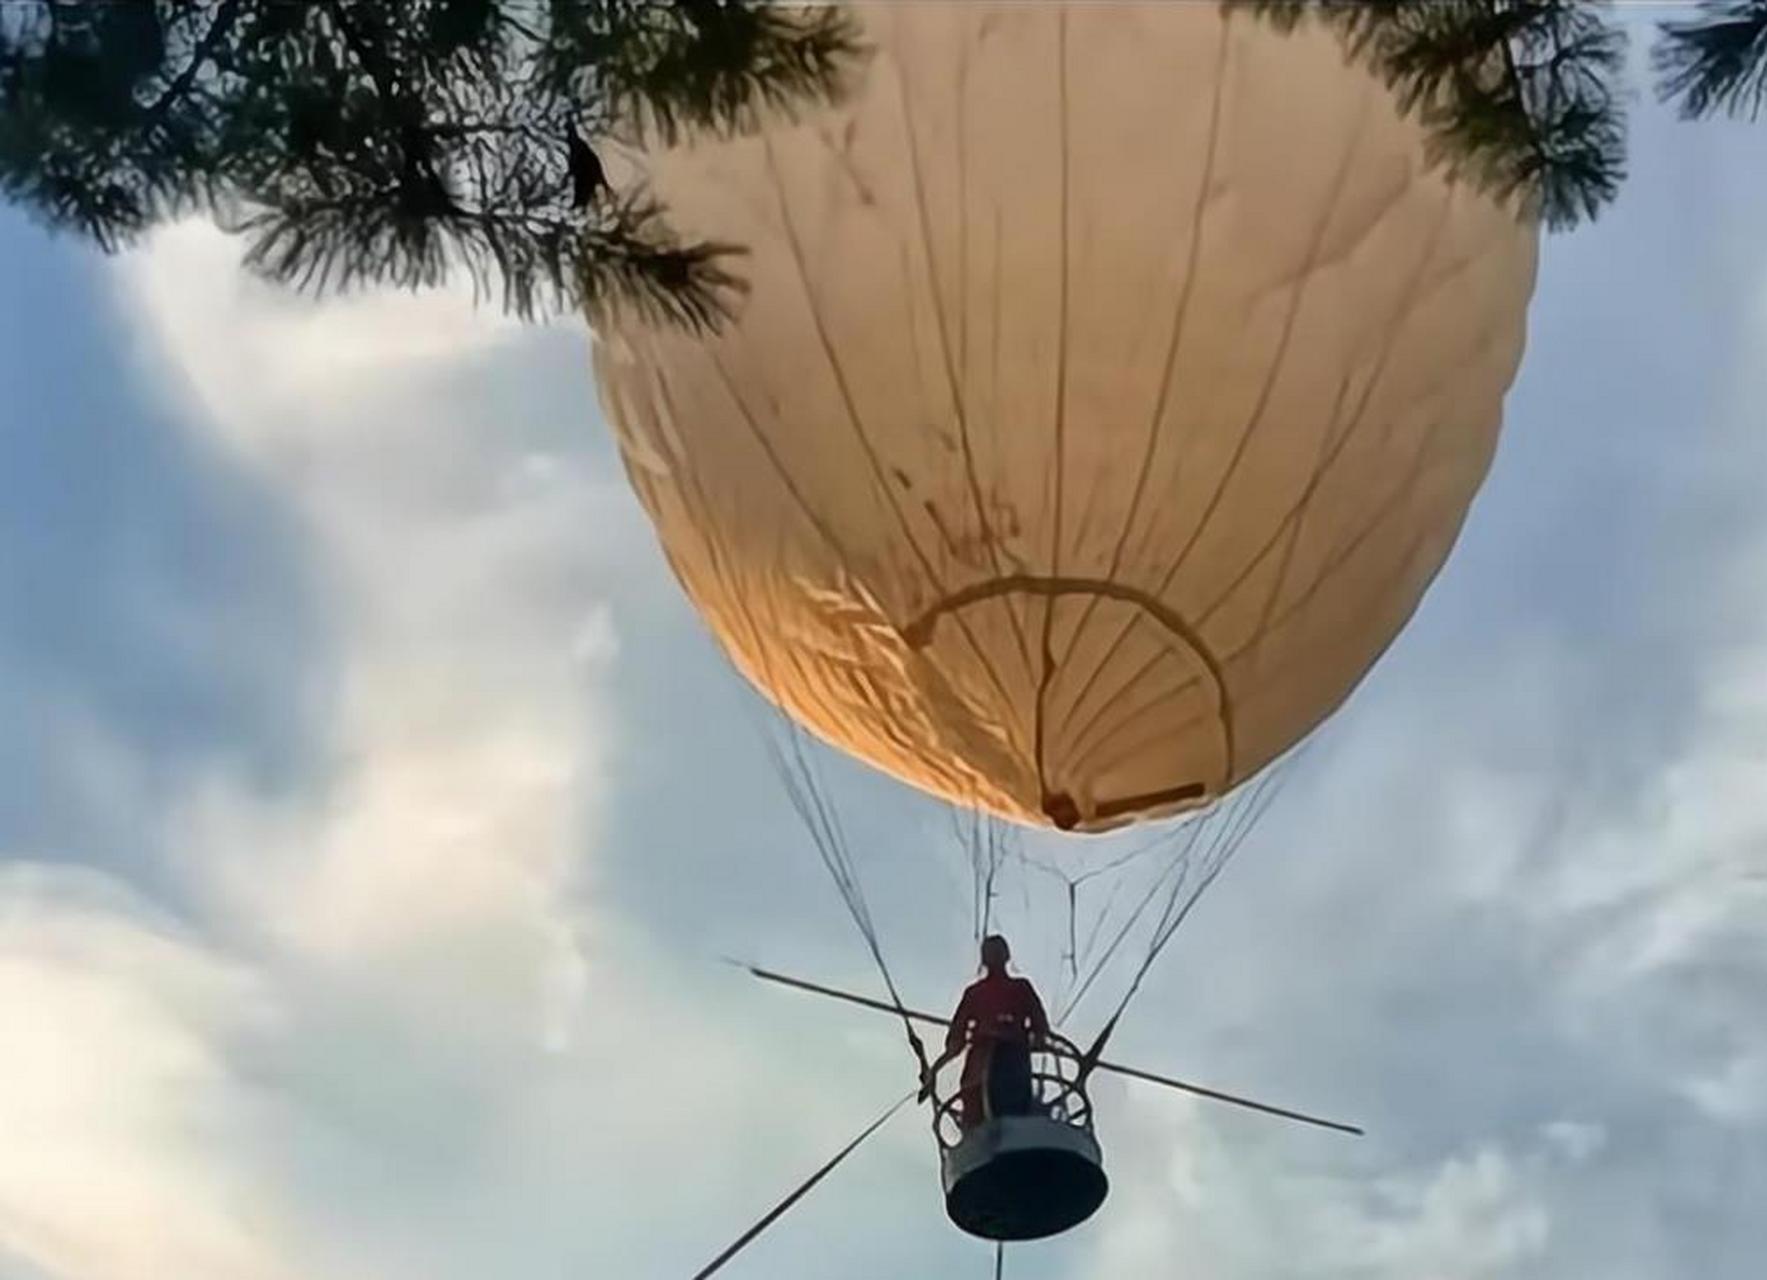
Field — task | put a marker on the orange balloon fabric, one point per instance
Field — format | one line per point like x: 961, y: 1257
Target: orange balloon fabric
x: 1112, y: 382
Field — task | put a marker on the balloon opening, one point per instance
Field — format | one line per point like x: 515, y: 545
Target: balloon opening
x: 1060, y: 809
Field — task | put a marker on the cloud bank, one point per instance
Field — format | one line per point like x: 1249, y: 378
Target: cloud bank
x: 436, y: 999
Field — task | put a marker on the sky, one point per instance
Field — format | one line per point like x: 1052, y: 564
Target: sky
x: 374, y: 816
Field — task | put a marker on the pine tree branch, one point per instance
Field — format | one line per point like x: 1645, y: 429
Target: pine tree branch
x: 400, y: 142
x: 1516, y: 94
x: 371, y: 56
x: 1715, y: 62
x: 225, y: 18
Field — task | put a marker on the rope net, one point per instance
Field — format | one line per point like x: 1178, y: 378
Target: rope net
x: 1085, y: 914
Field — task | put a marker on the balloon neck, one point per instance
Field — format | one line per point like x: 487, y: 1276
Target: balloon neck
x: 1060, y: 809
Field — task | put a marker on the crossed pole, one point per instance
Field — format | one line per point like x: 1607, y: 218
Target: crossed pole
x: 1117, y: 1068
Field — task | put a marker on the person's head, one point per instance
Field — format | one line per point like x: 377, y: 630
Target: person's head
x: 995, y: 954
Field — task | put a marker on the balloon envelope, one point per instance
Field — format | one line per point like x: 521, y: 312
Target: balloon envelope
x: 1112, y: 381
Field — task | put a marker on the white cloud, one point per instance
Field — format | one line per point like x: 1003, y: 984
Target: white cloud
x: 465, y: 745
x: 413, y: 916
x: 427, y: 1050
x: 274, y: 370
x: 120, y: 1109
x: 1577, y: 1140
x: 1472, y: 1216
x: 404, y: 1032
x: 1196, y: 1197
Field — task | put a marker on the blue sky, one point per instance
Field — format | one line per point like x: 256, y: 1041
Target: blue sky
x: 373, y: 813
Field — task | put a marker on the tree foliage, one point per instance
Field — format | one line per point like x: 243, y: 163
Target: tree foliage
x: 1524, y: 97
x: 399, y: 141
x: 1518, y: 95
x: 1717, y: 60
x: 395, y: 141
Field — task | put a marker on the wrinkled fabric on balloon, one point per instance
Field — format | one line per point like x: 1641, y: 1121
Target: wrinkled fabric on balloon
x: 1111, y: 383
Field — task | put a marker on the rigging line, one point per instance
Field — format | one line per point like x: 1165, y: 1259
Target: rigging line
x: 1024, y: 881
x: 1227, y: 835
x: 860, y: 907
x: 994, y: 846
x: 965, y: 892
x: 835, y: 840
x: 985, y: 844
x: 999, y: 1259
x: 803, y: 1189
x: 986, y: 853
x: 816, y: 813
x: 1096, y: 969
x: 1263, y: 794
x: 1152, y: 845
x: 795, y: 788
x: 962, y: 832
x: 966, y: 841
x: 801, y: 790
x: 832, y: 816
x: 1235, y: 830
x: 1091, y: 943
x: 968, y: 825
x: 979, y: 906
x: 1073, y: 956
x: 1179, y: 865
x: 1215, y: 823
x: 1164, y: 840
x: 1123, y: 859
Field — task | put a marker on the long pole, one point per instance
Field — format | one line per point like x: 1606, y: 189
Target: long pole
x: 1134, y: 1073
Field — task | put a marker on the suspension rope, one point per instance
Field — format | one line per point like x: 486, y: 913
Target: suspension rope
x: 1073, y: 958
x: 1232, y: 833
x: 1089, y: 947
x: 1179, y: 867
x: 985, y: 843
x: 1160, y: 841
x: 822, y: 822
x: 803, y: 1189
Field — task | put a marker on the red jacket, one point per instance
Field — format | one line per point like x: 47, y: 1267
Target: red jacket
x: 997, y: 1008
